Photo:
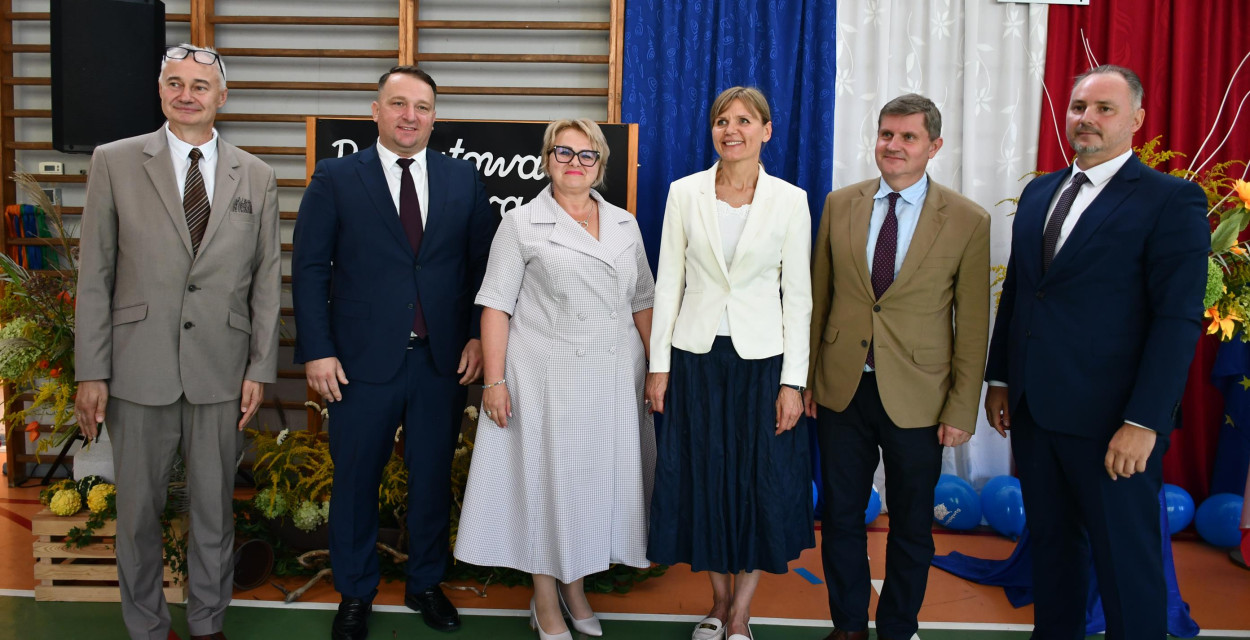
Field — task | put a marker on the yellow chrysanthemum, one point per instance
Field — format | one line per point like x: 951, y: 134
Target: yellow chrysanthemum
x: 1243, y: 191
x: 66, y: 502
x: 97, y: 498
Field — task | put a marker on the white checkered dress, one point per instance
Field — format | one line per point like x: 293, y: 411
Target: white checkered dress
x: 564, y: 490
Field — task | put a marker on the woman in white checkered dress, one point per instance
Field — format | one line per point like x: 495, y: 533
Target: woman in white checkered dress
x: 561, y: 475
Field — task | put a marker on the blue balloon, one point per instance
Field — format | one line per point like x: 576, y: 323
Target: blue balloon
x: 1003, y: 505
x: 956, y: 504
x: 874, y: 507
x: 1180, y: 508
x: 1219, y: 520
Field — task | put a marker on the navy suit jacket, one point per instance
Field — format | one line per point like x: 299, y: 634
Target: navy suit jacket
x: 1106, y: 334
x: 355, y: 277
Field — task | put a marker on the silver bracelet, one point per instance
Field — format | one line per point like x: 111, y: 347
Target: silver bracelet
x: 494, y: 384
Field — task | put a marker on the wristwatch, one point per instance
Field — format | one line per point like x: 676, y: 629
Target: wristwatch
x: 795, y: 387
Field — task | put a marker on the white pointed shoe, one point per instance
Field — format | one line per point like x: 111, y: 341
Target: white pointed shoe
x: 543, y: 635
x: 588, y: 626
x: 739, y: 636
x: 709, y: 628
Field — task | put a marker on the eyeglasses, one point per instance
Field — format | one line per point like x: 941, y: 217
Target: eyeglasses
x: 564, y: 155
x: 199, y: 55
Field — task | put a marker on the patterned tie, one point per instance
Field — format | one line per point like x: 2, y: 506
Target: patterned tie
x: 410, y: 218
x: 1050, y: 238
x: 883, y: 259
x: 195, y: 201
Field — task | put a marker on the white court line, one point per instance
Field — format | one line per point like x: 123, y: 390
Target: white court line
x: 648, y: 617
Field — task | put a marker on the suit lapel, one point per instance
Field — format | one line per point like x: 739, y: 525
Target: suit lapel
x: 859, y: 220
x: 1108, y: 201
x: 932, y: 217
x: 379, y: 193
x: 1031, y: 222
x: 225, y: 185
x: 160, y: 168
x: 711, y: 223
x: 568, y: 233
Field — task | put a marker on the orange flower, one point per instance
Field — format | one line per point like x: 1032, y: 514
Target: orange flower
x: 32, y: 431
x: 1243, y: 191
x: 1237, y: 249
x: 1227, y: 324
x: 54, y: 372
x: 43, y: 364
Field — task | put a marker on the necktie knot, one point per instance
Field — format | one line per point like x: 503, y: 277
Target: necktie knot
x: 195, y: 154
x: 1079, y: 179
x: 404, y: 163
x: 893, y: 196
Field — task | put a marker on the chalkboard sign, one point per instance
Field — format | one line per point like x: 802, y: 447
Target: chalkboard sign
x: 506, y: 154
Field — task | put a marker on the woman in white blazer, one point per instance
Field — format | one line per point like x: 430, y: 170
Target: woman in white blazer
x: 729, y: 348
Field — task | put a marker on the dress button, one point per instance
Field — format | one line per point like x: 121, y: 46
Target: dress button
x: 188, y: 324
x: 613, y: 315
x: 612, y: 350
x: 581, y: 316
x: 581, y: 352
x: 192, y: 288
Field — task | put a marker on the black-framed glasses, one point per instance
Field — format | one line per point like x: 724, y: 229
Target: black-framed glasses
x: 199, y: 55
x: 564, y: 155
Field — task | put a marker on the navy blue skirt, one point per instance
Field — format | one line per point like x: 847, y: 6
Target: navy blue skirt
x: 730, y: 495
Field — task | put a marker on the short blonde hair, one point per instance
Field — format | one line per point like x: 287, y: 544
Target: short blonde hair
x: 592, y: 131
x: 750, y: 96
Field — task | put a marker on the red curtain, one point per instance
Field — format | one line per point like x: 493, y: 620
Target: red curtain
x: 1185, y: 51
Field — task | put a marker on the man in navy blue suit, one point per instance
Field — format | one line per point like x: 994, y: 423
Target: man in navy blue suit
x: 391, y: 245
x: 1096, y: 327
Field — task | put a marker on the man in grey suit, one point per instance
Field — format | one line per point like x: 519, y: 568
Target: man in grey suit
x: 177, y: 331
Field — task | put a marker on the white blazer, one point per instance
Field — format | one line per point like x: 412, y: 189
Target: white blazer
x: 767, y: 292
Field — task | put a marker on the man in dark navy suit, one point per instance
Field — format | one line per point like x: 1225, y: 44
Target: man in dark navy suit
x: 391, y: 245
x: 1096, y: 327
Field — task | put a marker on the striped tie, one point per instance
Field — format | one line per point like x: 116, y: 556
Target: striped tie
x: 195, y: 201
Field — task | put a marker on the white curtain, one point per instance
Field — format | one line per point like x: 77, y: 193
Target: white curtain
x: 981, y: 62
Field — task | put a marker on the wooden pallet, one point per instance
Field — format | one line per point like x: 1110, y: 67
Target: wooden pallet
x: 87, y: 574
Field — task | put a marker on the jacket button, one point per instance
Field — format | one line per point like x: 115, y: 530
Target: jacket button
x: 863, y: 343
x: 188, y: 324
x: 876, y: 307
x: 192, y: 288
x: 1028, y: 333
x: 1041, y: 294
x: 410, y: 305
x: 417, y: 268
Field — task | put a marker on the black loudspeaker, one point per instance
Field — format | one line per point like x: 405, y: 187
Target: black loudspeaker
x: 106, y: 59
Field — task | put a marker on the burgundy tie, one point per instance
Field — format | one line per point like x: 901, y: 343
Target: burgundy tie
x: 1050, y: 237
x: 410, y: 218
x: 883, y: 259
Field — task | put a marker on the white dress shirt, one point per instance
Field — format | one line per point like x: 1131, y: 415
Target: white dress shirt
x: 390, y: 167
x: 1098, y: 177
x: 732, y: 220
x: 180, y: 151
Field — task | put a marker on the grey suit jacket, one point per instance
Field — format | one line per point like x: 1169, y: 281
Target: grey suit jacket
x: 154, y: 320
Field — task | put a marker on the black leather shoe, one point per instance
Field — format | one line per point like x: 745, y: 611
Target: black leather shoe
x: 352, y: 620
x: 437, y: 611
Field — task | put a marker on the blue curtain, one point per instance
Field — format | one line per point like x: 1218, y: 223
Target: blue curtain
x: 680, y: 55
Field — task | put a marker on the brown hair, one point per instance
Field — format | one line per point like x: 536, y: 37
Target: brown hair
x: 750, y: 96
x: 408, y: 70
